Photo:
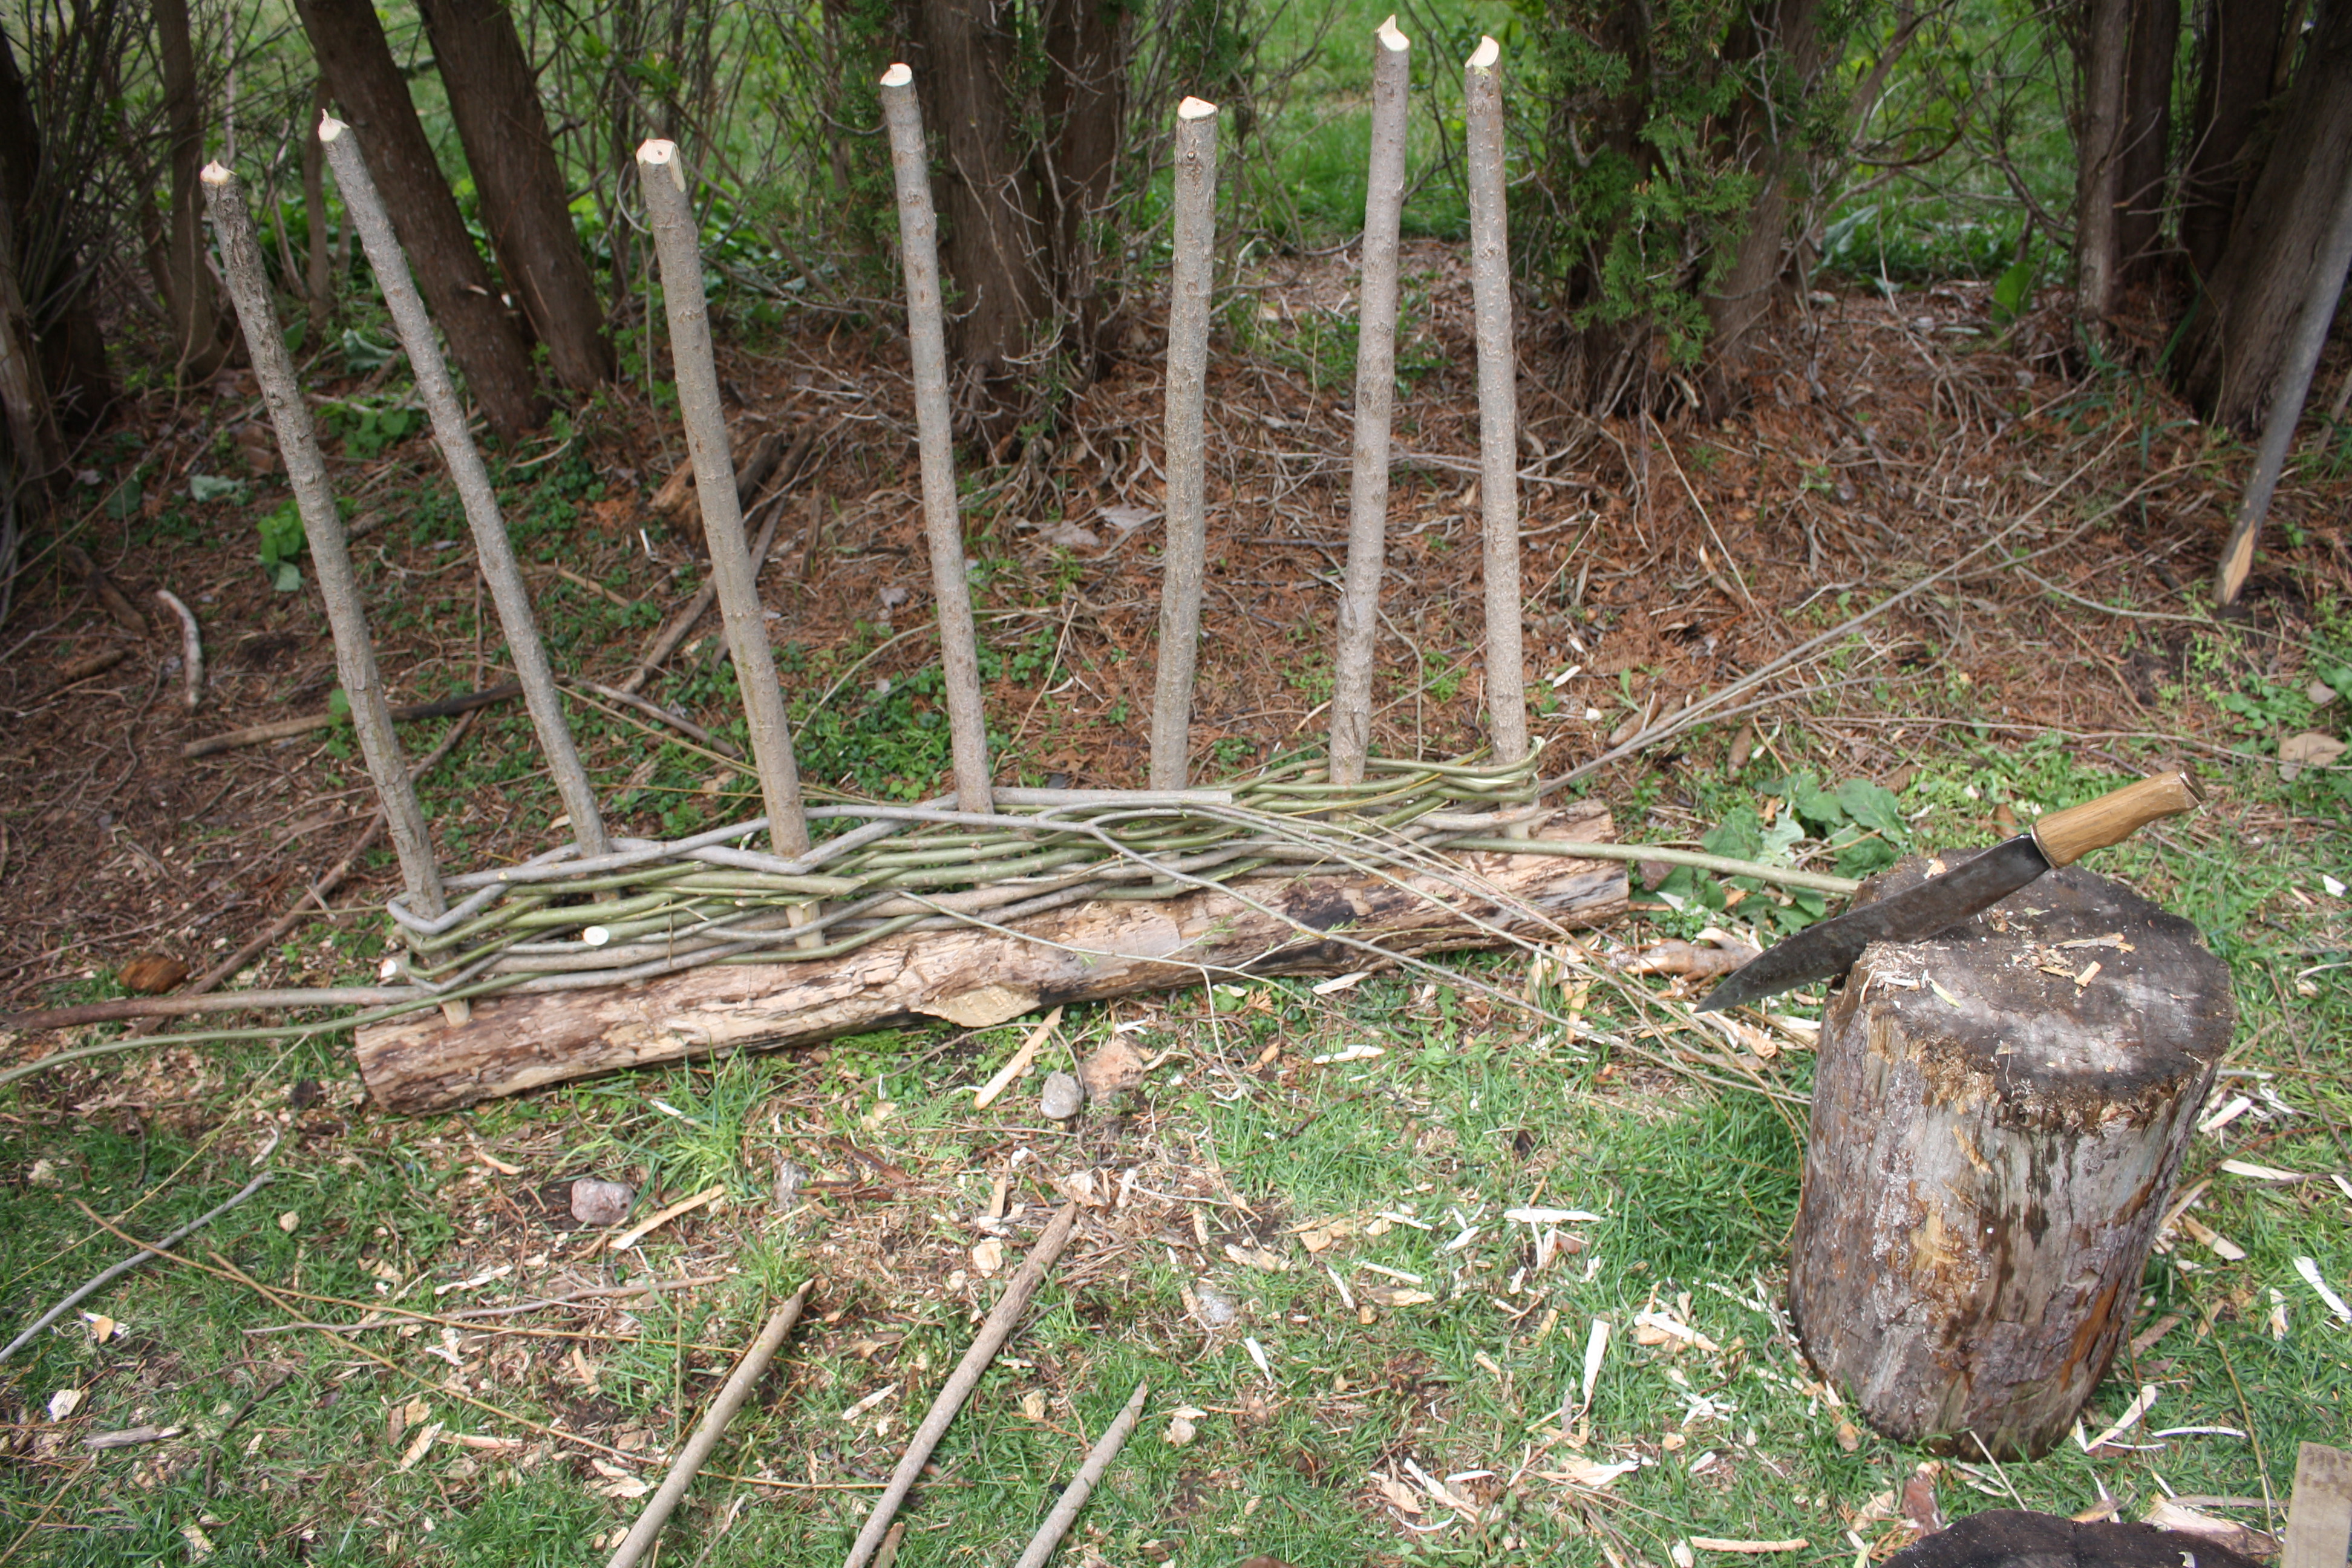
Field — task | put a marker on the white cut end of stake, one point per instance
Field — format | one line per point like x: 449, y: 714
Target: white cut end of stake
x: 1391, y: 38
x: 1195, y: 108
x: 217, y: 174
x: 329, y: 127
x: 596, y: 936
x: 1484, y: 57
x: 656, y: 150
x: 898, y: 75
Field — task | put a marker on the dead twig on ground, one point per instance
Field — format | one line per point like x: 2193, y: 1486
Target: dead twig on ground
x: 319, y: 891
x: 192, y: 649
x: 147, y: 1250
x: 1074, y: 1496
x: 728, y: 1400
x: 992, y: 1335
x: 406, y: 713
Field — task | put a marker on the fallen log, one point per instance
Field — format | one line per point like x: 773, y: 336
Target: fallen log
x: 977, y: 976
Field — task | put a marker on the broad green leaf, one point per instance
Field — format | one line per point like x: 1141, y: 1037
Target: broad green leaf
x: 1873, y: 805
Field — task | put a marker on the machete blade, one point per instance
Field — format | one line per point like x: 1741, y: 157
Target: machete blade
x: 1916, y: 913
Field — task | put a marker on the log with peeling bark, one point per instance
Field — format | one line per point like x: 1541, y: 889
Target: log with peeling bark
x: 1998, y: 1114
x: 978, y: 977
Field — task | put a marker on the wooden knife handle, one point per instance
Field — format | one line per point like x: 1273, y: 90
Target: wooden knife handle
x: 2066, y: 837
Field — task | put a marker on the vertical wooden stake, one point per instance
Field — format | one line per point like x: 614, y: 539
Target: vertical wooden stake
x: 2286, y: 403
x: 662, y: 179
x: 1184, y: 445
x: 330, y: 556
x: 492, y: 549
x: 1368, y: 496
x: 942, y: 530
x: 1498, y: 404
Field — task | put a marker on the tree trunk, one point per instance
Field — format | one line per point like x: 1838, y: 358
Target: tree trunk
x: 358, y: 64
x: 494, y: 99
x: 1997, y: 1124
x: 1787, y: 48
x: 2233, y: 81
x: 202, y: 336
x: 318, y: 275
x: 986, y: 192
x: 2103, y: 55
x: 37, y: 452
x: 2147, y: 136
x: 1612, y: 359
x: 58, y: 294
x: 2236, y: 344
x: 1085, y: 108
x: 973, y: 976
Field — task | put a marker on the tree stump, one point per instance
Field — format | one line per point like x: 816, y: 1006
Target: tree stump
x: 1999, y: 1113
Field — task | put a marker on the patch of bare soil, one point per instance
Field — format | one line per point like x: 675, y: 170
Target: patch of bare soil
x: 1885, y: 439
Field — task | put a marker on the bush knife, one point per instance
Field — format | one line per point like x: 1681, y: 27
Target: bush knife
x: 1939, y: 903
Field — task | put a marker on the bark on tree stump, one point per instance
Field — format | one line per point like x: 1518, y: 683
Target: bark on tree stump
x: 1999, y: 1113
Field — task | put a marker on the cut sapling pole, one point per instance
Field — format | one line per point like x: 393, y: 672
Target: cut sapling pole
x: 1082, y: 1486
x: 942, y: 529
x: 1185, y: 452
x: 1367, y: 495
x: 493, y: 551
x: 662, y: 177
x: 1002, y: 1321
x: 1499, y: 408
x: 330, y: 556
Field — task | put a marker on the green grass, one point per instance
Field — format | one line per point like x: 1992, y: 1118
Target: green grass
x: 1470, y: 1109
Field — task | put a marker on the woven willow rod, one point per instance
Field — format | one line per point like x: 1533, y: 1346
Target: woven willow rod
x: 1499, y: 404
x: 942, y: 530
x: 492, y: 549
x: 331, y: 555
x: 1185, y: 447
x: 1367, y: 495
x: 662, y: 179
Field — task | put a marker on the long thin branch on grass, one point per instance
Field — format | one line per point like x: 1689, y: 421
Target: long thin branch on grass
x: 323, y: 526
x: 1090, y: 1474
x: 723, y: 1405
x: 1368, y: 496
x: 222, y: 1269
x: 493, y: 551
x: 152, y: 1249
x: 999, y: 1327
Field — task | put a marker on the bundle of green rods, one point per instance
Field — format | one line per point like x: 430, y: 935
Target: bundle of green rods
x: 649, y: 908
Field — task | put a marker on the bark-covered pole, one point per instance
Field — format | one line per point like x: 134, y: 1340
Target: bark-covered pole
x: 492, y: 549
x: 1082, y: 1486
x: 662, y: 179
x: 919, y: 239
x: 1185, y: 444
x: 1368, y: 496
x: 1499, y: 403
x: 330, y: 556
x: 2286, y: 404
